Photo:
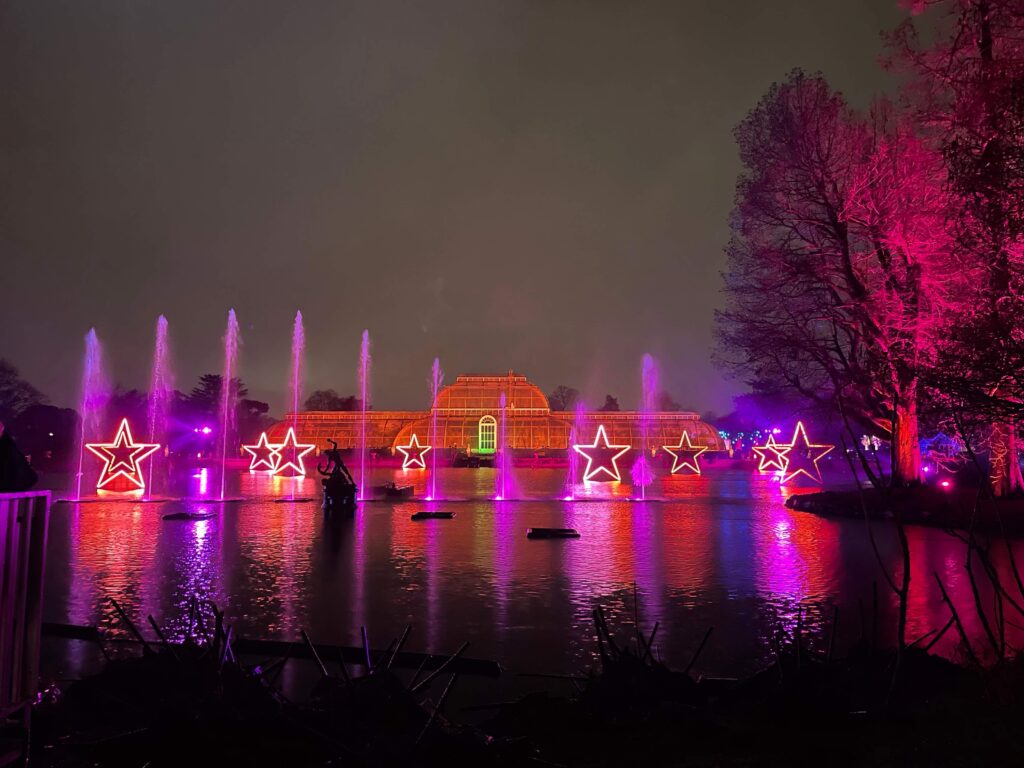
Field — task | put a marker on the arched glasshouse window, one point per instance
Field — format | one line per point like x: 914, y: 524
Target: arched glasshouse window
x: 486, y: 436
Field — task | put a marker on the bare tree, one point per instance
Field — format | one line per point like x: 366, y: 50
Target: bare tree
x: 838, y: 259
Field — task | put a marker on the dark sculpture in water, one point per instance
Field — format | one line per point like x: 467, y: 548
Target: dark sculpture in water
x: 339, y: 487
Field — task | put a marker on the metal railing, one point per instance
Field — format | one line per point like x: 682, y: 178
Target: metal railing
x: 24, y: 518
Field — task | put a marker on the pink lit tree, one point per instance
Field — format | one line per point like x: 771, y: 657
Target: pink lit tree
x: 838, y: 268
x: 966, y: 85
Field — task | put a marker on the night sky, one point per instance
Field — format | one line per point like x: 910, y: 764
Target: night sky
x: 542, y: 186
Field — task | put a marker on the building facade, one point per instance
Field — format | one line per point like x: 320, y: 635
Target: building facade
x: 468, y: 416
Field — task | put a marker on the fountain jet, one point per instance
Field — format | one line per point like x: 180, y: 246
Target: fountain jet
x: 161, y: 389
x: 93, y: 401
x: 365, y: 361
x: 504, y: 485
x: 295, y: 381
x: 436, y: 379
x: 575, y: 436
x: 642, y: 473
x: 228, y: 395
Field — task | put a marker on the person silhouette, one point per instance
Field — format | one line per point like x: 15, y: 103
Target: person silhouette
x: 16, y: 474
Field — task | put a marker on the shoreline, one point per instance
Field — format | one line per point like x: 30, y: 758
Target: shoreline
x: 954, y: 509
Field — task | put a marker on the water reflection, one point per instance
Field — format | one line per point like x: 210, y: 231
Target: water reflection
x: 720, y: 550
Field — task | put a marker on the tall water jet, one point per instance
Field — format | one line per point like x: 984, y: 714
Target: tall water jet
x: 295, y: 381
x: 575, y: 435
x: 642, y: 472
x: 228, y: 395
x: 161, y: 389
x: 436, y: 379
x: 503, y: 460
x: 93, y: 401
x: 364, y: 404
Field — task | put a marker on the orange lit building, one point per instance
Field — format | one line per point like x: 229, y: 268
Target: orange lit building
x: 468, y: 415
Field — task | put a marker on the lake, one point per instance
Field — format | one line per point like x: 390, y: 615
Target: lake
x: 719, y: 550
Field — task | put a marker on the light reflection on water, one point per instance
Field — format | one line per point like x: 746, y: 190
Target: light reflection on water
x: 722, y: 552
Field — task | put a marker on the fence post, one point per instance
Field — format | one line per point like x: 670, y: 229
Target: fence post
x: 24, y: 519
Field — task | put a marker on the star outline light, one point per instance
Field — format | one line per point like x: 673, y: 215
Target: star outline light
x: 413, y: 453
x: 766, y: 463
x: 601, y: 437
x: 689, y: 451
x: 263, y: 446
x: 119, y: 465
x: 804, y: 456
x: 299, y: 451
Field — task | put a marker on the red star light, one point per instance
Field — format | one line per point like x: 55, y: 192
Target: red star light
x: 771, y: 455
x: 264, y: 455
x: 291, y: 453
x: 802, y: 456
x: 601, y: 456
x: 414, y: 453
x: 122, y: 457
x: 684, y: 455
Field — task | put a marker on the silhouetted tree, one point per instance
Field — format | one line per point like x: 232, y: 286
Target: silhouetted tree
x: 610, y: 404
x: 205, y: 396
x: 563, y: 398
x: 253, y: 418
x: 329, y: 400
x: 16, y: 394
x: 838, y: 267
x: 46, y: 434
x: 126, y: 404
x: 665, y: 402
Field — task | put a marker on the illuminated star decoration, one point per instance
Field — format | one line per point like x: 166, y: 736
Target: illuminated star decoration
x: 601, y: 456
x: 771, y: 455
x: 291, y: 452
x: 684, y: 455
x: 264, y: 455
x: 413, y: 453
x: 122, y: 457
x: 802, y: 456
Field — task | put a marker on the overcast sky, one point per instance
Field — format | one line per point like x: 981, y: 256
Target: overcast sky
x: 542, y: 186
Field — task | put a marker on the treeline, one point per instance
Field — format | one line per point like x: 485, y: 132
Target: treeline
x: 49, y: 434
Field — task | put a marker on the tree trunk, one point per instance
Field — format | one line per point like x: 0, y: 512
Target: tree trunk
x: 1005, y: 466
x: 906, y: 448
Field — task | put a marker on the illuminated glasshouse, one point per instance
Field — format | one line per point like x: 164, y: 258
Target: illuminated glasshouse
x: 466, y: 416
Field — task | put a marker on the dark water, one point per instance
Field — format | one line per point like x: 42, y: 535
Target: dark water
x: 721, y: 550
